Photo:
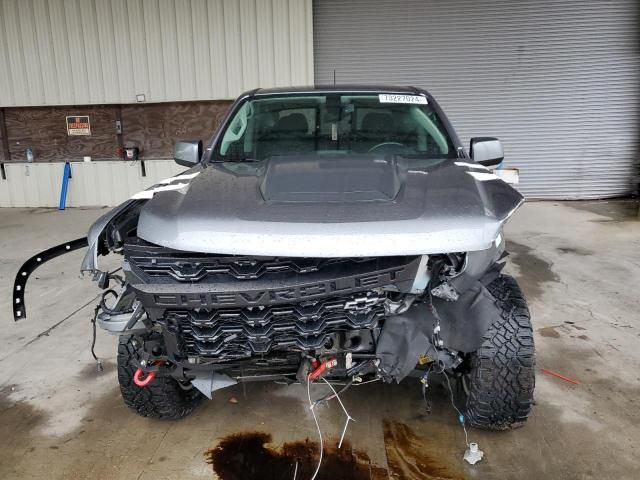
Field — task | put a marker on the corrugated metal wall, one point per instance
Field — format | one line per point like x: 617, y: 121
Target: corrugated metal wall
x: 556, y: 80
x: 107, y: 183
x: 75, y: 52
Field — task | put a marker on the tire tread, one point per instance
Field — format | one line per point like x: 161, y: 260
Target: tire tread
x: 502, y: 377
x: 162, y: 398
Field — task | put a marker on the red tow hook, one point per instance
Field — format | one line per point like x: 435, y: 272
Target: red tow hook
x: 143, y: 382
x: 321, y: 368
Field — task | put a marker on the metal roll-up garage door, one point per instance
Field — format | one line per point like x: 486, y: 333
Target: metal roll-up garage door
x: 556, y: 81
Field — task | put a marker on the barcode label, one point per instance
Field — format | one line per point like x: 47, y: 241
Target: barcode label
x: 411, y: 99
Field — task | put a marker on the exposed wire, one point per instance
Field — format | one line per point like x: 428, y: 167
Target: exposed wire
x: 93, y: 340
x: 377, y: 379
x: 461, y: 417
x: 312, y: 406
x: 425, y: 384
x: 103, y: 303
x: 349, y: 417
x: 331, y: 396
x: 315, y: 419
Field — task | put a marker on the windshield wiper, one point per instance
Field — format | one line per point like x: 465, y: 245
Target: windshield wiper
x: 235, y: 160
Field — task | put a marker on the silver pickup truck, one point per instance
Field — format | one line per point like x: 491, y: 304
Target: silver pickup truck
x: 339, y: 233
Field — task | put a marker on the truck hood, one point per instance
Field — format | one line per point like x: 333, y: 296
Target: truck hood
x: 329, y: 206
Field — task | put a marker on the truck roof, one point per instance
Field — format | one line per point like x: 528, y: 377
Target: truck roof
x: 408, y: 90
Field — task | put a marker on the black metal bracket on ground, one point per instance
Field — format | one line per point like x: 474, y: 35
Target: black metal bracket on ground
x: 19, y: 308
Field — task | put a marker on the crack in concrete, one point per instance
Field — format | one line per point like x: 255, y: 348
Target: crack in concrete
x: 46, y: 332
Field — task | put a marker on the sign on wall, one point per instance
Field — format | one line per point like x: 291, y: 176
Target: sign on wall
x: 78, y: 125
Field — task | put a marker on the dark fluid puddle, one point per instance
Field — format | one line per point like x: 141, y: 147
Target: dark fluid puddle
x: 246, y: 456
x: 612, y: 211
x: 416, y: 457
x: 249, y: 456
x: 535, y: 271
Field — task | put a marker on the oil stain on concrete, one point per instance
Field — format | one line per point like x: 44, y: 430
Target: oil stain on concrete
x: 413, y: 457
x: 18, y: 420
x: 581, y: 252
x: 535, y: 271
x: 249, y: 456
x: 549, y: 332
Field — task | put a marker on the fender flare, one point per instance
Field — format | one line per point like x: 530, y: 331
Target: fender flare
x: 28, y: 267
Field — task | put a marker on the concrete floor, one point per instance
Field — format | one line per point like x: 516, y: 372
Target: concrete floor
x: 579, y: 264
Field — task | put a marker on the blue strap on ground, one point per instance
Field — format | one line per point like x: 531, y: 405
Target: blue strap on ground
x: 65, y: 185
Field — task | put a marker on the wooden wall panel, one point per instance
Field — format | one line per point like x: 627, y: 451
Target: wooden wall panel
x: 3, y: 147
x: 45, y: 130
x: 154, y: 128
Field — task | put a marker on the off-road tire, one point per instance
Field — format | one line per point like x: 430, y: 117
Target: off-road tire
x: 162, y: 398
x: 501, y: 379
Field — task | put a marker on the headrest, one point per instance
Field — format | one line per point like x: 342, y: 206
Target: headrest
x: 377, y: 122
x: 292, y: 123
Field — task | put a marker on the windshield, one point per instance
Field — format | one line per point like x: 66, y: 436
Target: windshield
x: 334, y: 123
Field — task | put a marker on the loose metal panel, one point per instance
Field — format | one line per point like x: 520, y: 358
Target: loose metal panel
x: 65, y: 52
x: 556, y: 80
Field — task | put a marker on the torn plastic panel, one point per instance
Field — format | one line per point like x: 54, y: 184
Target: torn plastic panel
x: 408, y: 336
x: 403, y: 339
x: 464, y: 322
x: 461, y: 323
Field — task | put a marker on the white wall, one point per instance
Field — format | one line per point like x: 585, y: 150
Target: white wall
x: 66, y: 52
x: 107, y: 183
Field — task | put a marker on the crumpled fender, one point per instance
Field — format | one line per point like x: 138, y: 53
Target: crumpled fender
x: 96, y: 235
x: 97, y: 232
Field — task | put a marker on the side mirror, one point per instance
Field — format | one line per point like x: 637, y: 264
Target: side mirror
x: 187, y: 152
x: 486, y: 151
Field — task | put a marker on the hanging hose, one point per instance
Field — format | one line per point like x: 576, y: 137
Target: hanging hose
x: 103, y: 304
x: 93, y: 340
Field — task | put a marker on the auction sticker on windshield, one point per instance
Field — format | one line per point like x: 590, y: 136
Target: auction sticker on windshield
x: 394, y: 98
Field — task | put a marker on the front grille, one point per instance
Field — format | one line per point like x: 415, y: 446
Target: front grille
x: 240, y: 268
x: 155, y: 264
x: 226, y: 307
x: 235, y: 333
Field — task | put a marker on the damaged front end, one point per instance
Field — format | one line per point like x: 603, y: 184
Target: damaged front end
x: 213, y: 320
x: 220, y: 319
